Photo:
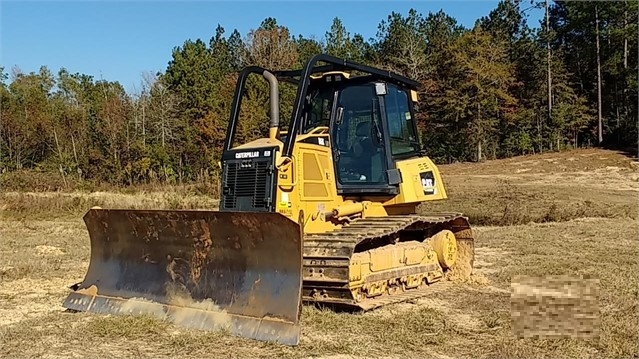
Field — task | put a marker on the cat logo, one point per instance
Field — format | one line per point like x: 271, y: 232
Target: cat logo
x: 428, y: 182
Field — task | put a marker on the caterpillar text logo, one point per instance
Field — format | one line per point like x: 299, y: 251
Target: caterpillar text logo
x: 247, y: 154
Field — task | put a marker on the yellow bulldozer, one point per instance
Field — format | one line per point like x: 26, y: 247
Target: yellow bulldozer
x: 324, y: 211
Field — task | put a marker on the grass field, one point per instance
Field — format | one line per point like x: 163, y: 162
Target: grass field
x: 573, y: 213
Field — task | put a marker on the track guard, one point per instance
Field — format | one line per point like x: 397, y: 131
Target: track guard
x: 210, y: 270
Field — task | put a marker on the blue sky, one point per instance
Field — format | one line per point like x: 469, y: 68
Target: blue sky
x: 119, y: 40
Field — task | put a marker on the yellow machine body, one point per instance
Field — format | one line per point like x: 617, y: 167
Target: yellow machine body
x: 307, y: 183
x: 302, y: 218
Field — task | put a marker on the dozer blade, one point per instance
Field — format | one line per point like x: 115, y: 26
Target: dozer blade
x: 240, y: 272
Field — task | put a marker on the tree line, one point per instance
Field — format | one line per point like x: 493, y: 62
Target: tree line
x: 500, y: 88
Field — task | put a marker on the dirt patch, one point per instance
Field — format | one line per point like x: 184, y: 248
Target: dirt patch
x: 462, y: 270
x: 458, y: 318
x: 608, y: 178
x: 579, y: 160
x: 29, y: 298
x: 490, y: 201
x: 486, y: 259
x: 45, y: 250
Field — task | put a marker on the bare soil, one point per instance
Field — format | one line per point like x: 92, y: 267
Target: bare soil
x: 572, y: 213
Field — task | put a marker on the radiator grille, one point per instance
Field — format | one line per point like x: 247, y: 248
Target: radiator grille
x: 248, y: 185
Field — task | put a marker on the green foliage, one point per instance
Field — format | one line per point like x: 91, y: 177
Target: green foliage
x: 307, y: 48
x: 401, y: 45
x: 575, y: 27
x: 339, y: 43
x: 483, y: 94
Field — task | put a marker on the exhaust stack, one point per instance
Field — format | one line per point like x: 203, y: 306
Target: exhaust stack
x: 274, y: 99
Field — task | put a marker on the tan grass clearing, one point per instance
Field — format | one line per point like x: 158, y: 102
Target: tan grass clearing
x: 589, y: 233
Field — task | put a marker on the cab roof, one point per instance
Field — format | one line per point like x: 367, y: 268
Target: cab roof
x: 293, y: 76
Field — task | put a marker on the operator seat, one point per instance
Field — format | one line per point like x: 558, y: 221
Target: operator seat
x: 363, y: 149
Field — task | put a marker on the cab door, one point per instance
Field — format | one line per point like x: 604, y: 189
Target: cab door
x: 359, y: 150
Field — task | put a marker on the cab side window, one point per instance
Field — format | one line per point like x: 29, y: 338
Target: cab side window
x: 319, y: 110
x: 400, y: 122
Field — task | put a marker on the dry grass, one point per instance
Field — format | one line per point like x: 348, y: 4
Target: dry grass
x: 544, y: 188
x: 68, y: 205
x: 40, y: 257
x: 604, y: 249
x: 505, y: 202
x: 575, y: 161
x: 44, y: 181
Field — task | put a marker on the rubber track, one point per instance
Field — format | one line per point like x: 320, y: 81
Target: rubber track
x: 327, y: 255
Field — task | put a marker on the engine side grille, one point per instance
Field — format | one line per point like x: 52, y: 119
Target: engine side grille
x: 247, y: 185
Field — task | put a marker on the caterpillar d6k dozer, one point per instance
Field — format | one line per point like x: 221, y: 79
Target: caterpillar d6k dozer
x: 323, y: 211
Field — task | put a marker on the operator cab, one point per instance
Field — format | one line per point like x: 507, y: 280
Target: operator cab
x: 367, y: 121
x: 361, y: 113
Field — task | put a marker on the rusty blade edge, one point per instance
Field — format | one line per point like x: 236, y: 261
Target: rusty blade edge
x: 268, y: 329
x: 77, y: 295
